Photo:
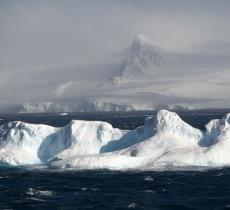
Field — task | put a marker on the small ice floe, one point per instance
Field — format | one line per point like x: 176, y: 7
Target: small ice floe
x: 148, y: 178
x: 45, y: 192
x: 32, y: 191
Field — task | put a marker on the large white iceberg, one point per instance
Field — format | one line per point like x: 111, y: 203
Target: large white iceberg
x: 163, y: 140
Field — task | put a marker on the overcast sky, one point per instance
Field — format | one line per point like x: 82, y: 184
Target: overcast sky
x: 37, y: 33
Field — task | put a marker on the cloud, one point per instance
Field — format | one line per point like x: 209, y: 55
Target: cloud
x: 37, y: 35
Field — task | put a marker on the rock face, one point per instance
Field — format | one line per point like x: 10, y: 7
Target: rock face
x: 142, y: 57
x: 163, y: 140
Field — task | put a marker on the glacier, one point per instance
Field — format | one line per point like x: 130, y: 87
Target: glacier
x: 164, y: 140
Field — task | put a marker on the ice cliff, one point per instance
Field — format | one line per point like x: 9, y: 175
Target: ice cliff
x: 164, y: 139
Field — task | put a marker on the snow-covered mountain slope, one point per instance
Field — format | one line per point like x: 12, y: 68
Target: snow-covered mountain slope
x: 163, y: 140
x: 144, y: 77
x: 141, y: 58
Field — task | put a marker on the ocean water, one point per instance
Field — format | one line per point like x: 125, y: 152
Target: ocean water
x: 41, y: 189
x: 175, y: 188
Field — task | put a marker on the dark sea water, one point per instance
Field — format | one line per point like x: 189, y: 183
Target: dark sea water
x: 22, y: 189
x: 177, y: 188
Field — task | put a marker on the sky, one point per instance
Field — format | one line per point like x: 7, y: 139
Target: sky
x: 45, y: 33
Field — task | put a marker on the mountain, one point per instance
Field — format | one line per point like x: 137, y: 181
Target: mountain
x: 142, y: 57
x: 143, y: 77
x: 164, y: 140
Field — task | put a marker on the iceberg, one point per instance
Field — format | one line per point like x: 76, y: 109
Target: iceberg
x: 164, y: 140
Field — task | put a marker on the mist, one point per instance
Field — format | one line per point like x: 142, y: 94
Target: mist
x: 37, y: 38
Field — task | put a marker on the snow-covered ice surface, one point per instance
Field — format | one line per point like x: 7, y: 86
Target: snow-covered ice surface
x: 165, y: 140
